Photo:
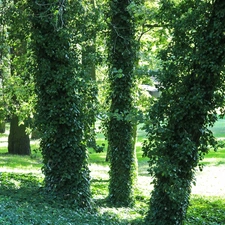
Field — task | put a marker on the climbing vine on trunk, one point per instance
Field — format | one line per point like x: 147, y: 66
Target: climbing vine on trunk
x: 192, y: 85
x: 60, y: 117
x: 120, y: 126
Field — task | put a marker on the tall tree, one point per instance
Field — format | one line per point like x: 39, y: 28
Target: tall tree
x: 18, y: 82
x: 2, y: 57
x: 192, y: 85
x: 120, y: 126
x: 60, y: 118
x: 18, y: 140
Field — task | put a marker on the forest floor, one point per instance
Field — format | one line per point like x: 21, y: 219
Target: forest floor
x: 209, y: 182
x: 206, y: 205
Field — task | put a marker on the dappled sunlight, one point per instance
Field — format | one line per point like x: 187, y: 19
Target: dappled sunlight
x: 21, y: 170
x: 16, y: 162
x: 99, y: 171
x: 214, y: 161
x: 144, y: 185
x: 101, y: 157
x: 210, y: 181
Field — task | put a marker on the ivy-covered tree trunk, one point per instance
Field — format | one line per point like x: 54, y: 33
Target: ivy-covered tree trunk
x: 60, y: 118
x: 192, y: 84
x: 18, y: 139
x: 120, y: 126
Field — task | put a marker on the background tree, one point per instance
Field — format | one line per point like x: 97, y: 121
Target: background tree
x: 120, y: 126
x: 3, y: 53
x: 18, y: 83
x: 192, y: 85
x: 59, y: 87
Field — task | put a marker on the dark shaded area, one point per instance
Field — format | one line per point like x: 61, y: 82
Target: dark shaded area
x: 2, y: 127
x: 18, y: 140
x: 24, y: 201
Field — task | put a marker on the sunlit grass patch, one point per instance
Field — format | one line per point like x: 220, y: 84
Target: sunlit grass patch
x: 99, y: 171
x: 219, y: 128
x: 215, y: 158
x: 17, y: 162
x: 99, y: 158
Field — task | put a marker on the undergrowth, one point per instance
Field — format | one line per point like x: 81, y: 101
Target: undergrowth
x: 23, y: 201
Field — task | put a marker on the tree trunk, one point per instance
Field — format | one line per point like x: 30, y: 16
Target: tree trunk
x: 61, y: 101
x: 18, y: 140
x: 178, y: 136
x: 2, y: 127
x: 121, y: 153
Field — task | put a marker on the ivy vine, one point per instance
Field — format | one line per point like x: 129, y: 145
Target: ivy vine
x: 59, y: 86
x: 192, y: 86
x: 120, y: 127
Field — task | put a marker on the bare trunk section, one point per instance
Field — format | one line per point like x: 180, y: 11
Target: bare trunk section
x: 18, y: 140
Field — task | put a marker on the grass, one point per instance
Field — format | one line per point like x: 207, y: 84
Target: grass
x: 206, y: 211
x: 17, y: 163
x: 215, y: 158
x: 27, y: 204
x: 219, y: 129
x: 22, y: 200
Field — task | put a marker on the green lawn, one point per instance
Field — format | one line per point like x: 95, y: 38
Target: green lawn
x: 215, y: 158
x: 22, y: 200
x: 219, y: 129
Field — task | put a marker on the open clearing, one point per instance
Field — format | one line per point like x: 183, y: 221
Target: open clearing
x: 210, y: 181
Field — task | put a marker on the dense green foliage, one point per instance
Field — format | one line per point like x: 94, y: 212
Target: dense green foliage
x: 89, y: 26
x: 16, y: 64
x: 41, y: 209
x: 192, y: 88
x: 120, y: 126
x: 17, y: 82
x: 3, y: 52
x: 50, y: 44
x: 61, y: 116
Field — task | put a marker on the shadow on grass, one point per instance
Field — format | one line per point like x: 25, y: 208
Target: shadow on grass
x: 220, y: 163
x: 99, y: 189
x: 23, y: 201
